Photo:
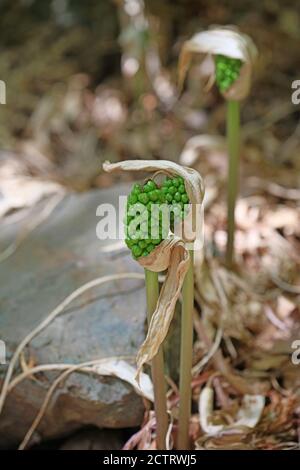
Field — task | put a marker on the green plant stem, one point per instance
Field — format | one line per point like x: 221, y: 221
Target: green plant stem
x: 186, y: 354
x: 157, y: 366
x: 233, y: 142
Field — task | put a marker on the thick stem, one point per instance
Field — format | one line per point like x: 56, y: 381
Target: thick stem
x: 157, y: 366
x: 186, y: 354
x: 233, y: 141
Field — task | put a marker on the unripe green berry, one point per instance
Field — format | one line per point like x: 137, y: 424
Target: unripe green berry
x: 142, y: 244
x: 227, y: 70
x: 133, y: 198
x: 177, y: 196
x: 185, y: 198
x: 129, y: 242
x: 172, y: 190
x: 154, y: 195
x: 137, y: 251
x: 149, y: 186
x: 137, y: 189
x: 143, y: 198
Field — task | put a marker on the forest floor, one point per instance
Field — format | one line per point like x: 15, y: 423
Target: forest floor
x: 247, y: 320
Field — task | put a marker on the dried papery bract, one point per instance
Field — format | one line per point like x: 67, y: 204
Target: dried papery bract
x: 228, y: 42
x: 171, y: 254
x: 192, y: 179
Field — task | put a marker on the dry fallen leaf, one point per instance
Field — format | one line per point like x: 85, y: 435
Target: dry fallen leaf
x: 247, y: 416
x: 124, y: 371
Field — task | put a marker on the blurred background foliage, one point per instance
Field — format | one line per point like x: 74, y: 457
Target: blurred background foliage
x: 96, y: 80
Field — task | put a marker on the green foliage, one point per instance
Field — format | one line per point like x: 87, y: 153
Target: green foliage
x: 227, y: 71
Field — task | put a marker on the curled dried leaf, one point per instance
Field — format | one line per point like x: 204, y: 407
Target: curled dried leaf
x: 247, y: 417
x: 192, y: 179
x: 206, y: 401
x: 229, y: 42
x: 124, y: 371
x: 172, y: 254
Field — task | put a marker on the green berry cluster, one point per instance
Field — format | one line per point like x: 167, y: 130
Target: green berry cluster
x: 227, y: 71
x: 139, y: 224
x: 144, y: 218
x: 176, y: 196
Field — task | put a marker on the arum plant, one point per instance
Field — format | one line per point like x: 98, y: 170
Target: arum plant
x: 234, y: 55
x: 157, y: 247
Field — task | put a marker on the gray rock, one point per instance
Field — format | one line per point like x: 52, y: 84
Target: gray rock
x: 95, y: 439
x: 59, y: 256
